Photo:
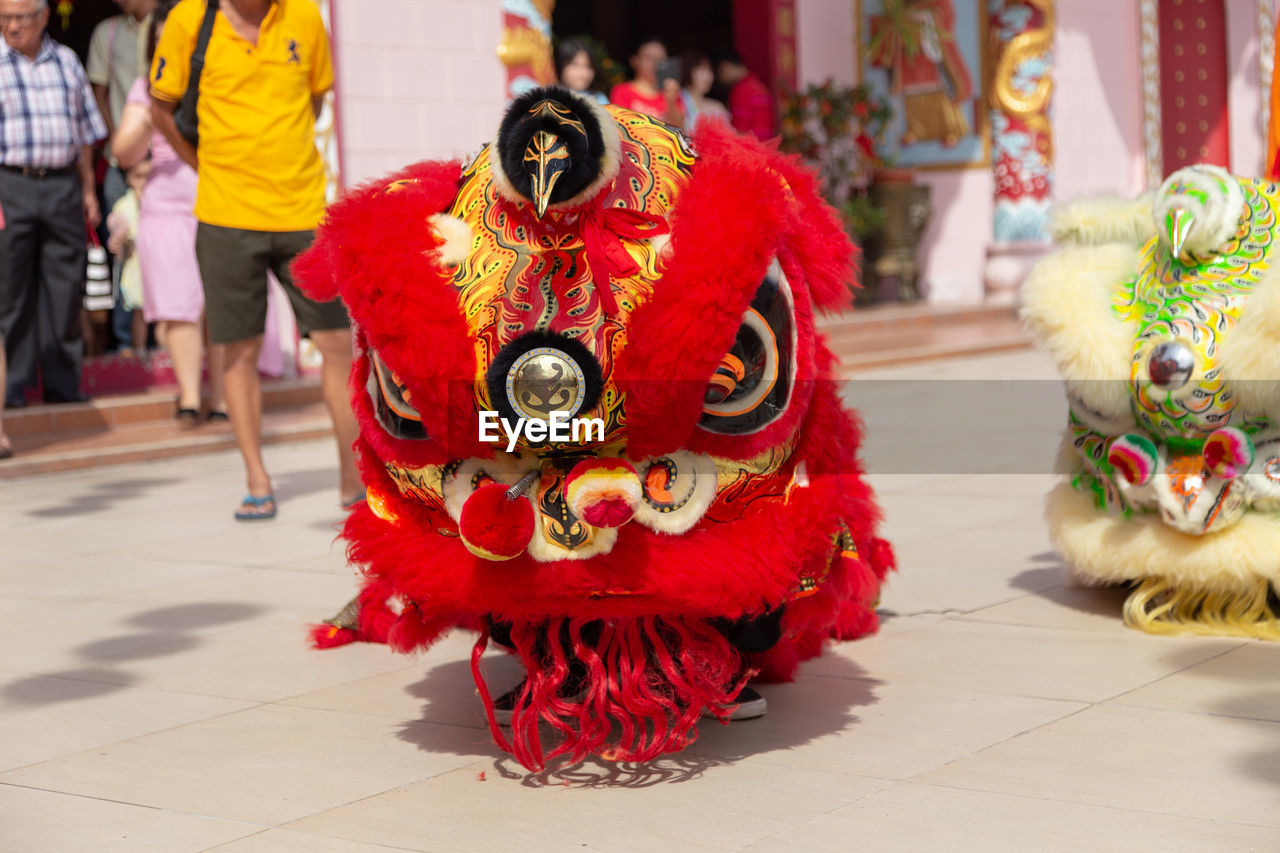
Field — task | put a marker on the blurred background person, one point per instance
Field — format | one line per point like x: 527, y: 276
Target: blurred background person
x: 117, y: 57
x: 750, y: 104
x: 122, y: 234
x: 173, y: 297
x: 645, y: 92
x: 697, y: 76
x: 6, y: 446
x: 259, y: 197
x: 576, y: 70
x: 48, y: 121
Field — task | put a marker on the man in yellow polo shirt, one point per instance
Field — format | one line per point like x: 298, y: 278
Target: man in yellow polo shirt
x: 259, y: 198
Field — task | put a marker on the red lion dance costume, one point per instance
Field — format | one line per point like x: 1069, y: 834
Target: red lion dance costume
x: 713, y: 525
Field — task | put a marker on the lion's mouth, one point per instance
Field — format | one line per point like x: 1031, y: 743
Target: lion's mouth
x: 577, y: 503
x: 391, y: 403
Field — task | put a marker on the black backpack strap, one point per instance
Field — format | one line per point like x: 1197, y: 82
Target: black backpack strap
x: 202, y: 42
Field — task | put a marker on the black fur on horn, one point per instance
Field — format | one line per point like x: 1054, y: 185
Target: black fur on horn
x: 554, y: 148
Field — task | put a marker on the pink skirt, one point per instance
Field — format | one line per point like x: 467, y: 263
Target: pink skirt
x: 166, y: 245
x: 171, y: 285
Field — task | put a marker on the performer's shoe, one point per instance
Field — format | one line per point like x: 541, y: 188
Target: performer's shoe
x: 504, y: 707
x: 750, y: 705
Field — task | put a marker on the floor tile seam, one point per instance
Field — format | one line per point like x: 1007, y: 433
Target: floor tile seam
x: 893, y: 783
x: 179, y: 636
x: 479, y: 725
x: 1235, y: 647
x: 67, y: 676
x: 1084, y: 706
x: 123, y: 596
x: 344, y: 684
x: 160, y: 809
x: 1186, y: 713
x: 958, y: 613
x: 877, y: 680
x: 1092, y: 804
x: 289, y: 824
x: 127, y: 740
x: 871, y: 679
x: 224, y: 844
x: 971, y: 619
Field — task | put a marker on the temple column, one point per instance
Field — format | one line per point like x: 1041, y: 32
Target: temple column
x: 1021, y: 45
x: 526, y: 45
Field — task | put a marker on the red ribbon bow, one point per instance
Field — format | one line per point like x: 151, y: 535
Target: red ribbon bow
x: 603, y: 229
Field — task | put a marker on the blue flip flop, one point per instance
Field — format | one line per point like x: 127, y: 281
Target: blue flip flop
x: 257, y: 509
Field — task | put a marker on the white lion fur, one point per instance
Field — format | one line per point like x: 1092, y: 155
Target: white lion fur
x: 455, y: 238
x: 1107, y: 549
x: 1067, y: 306
x: 1102, y: 219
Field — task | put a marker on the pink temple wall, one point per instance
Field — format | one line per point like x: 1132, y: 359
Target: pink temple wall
x: 1096, y: 116
x: 421, y: 78
x: 1097, y: 99
x: 417, y: 79
x: 953, y: 249
x: 826, y: 32
x: 1248, y: 135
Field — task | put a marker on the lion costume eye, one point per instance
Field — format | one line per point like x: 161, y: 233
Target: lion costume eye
x: 391, y: 403
x: 752, y: 386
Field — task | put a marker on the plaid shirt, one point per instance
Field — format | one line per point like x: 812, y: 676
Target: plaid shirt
x: 47, y: 110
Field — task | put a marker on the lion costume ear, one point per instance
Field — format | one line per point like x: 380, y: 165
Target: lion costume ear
x: 383, y: 249
x: 407, y: 206
x: 817, y: 239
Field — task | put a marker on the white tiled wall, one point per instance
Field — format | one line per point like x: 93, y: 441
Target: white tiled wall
x: 417, y: 79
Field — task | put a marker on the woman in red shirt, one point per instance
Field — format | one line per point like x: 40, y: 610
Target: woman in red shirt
x: 644, y: 93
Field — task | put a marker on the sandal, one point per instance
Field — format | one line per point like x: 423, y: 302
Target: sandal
x: 187, y: 418
x: 218, y: 417
x: 257, y: 509
x: 6, y: 450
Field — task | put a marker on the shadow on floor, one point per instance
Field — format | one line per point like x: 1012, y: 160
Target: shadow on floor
x: 100, y: 497
x: 811, y: 708
x: 297, y: 483
x: 166, y: 633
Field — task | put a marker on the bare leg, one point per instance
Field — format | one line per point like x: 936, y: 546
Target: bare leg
x: 335, y: 347
x: 215, y: 355
x: 183, y: 342
x: 244, y: 405
x: 138, y: 330
x: 217, y: 360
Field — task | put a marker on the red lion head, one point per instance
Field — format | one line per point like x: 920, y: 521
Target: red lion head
x: 597, y: 423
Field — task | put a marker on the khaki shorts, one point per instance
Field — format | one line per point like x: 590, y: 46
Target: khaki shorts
x: 233, y: 266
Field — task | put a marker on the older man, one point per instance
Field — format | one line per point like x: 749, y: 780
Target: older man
x: 48, y: 121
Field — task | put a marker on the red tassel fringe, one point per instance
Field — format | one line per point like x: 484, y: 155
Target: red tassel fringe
x: 634, y: 694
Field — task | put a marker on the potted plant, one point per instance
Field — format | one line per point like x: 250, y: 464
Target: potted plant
x: 835, y: 129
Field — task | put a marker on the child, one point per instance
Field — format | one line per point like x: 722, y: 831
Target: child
x: 122, y: 224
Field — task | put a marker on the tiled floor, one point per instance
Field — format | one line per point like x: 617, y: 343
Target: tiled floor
x: 156, y: 692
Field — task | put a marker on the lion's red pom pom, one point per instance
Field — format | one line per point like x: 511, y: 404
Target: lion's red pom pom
x: 493, y: 527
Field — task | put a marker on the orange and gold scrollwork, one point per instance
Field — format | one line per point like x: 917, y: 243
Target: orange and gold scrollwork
x: 1007, y: 97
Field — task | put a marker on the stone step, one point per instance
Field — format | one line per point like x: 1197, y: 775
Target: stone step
x: 885, y: 336
x: 124, y: 428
